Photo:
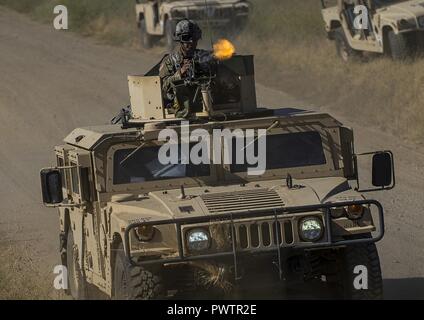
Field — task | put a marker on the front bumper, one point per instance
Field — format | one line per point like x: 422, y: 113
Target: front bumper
x: 233, y: 218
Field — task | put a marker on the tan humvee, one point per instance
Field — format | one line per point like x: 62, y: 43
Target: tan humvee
x: 157, y: 18
x: 137, y: 229
x: 395, y: 27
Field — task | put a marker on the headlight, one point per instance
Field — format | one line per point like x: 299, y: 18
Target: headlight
x: 242, y: 10
x: 178, y: 14
x: 421, y: 22
x: 337, y: 212
x: 144, y: 233
x: 355, y: 212
x: 310, y: 229
x: 406, y: 24
x: 198, y: 240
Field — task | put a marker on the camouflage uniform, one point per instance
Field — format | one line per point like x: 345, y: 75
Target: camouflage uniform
x: 170, y: 69
x: 169, y: 73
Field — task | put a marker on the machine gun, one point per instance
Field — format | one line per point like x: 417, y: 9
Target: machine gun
x: 202, y: 67
x: 197, y: 84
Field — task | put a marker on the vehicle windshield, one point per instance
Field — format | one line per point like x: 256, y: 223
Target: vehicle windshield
x: 144, y: 165
x: 283, y: 151
x: 288, y: 151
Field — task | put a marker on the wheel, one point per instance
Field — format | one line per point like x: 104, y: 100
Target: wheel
x: 169, y: 35
x: 362, y: 255
x: 398, y: 45
x: 76, y: 282
x: 344, y: 50
x: 146, y: 39
x: 134, y: 283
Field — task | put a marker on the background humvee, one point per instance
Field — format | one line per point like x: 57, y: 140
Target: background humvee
x: 157, y: 18
x: 395, y: 27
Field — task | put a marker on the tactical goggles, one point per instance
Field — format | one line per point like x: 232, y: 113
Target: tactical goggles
x: 186, y: 38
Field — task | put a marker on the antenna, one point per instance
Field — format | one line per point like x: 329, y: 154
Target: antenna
x: 208, y: 22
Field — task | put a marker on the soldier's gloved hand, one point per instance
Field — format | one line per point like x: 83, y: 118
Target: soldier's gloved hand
x: 186, y: 66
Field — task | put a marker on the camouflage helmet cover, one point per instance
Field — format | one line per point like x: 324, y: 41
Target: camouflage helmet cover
x: 187, y: 31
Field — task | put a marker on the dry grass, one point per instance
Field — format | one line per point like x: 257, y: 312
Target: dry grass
x: 213, y: 276
x: 20, y: 277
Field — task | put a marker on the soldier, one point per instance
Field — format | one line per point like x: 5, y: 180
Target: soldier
x: 176, y: 65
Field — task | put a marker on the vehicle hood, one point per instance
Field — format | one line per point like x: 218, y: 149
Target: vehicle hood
x: 403, y: 10
x: 251, y: 197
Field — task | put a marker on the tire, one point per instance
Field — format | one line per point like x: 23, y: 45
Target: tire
x: 146, y: 39
x: 344, y: 50
x: 134, y: 283
x: 366, y: 255
x: 77, y: 285
x: 169, y: 35
x: 398, y: 45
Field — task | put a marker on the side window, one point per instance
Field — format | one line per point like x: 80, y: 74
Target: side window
x: 144, y: 165
x: 75, y: 181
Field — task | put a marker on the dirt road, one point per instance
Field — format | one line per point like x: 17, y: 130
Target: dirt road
x: 51, y: 82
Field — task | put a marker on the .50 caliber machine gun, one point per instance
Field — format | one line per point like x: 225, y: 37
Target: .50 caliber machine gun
x: 194, y: 92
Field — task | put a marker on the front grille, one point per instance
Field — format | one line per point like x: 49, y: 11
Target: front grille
x: 195, y: 14
x: 260, y: 235
x: 214, y: 13
x: 223, y: 13
x: 251, y: 200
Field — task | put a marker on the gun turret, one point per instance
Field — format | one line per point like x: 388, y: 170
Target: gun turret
x: 223, y: 87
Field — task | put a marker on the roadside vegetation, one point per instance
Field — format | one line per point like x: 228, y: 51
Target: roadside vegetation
x: 20, y: 278
x: 292, y: 54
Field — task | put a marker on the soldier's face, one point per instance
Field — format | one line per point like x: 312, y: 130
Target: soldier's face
x: 189, y: 47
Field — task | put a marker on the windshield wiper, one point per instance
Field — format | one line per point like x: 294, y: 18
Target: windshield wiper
x: 132, y: 153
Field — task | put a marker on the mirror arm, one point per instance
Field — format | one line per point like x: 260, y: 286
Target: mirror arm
x: 356, y: 170
x: 59, y: 168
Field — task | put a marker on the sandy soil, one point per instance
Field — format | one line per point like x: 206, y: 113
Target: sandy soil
x: 52, y: 82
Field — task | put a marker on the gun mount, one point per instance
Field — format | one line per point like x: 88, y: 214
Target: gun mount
x: 223, y: 88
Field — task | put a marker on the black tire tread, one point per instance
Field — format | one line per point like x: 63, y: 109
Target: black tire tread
x: 142, y: 284
x: 367, y: 255
x: 146, y: 39
x: 81, y: 290
x: 340, y: 37
x: 398, y: 45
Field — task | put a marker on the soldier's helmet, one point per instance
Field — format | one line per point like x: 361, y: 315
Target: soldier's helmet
x: 187, y: 31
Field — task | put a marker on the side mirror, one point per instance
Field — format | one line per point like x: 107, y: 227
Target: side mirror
x: 51, y: 186
x: 382, y: 169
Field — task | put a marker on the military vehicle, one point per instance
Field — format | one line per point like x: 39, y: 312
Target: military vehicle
x: 135, y: 228
x: 395, y: 27
x: 157, y: 19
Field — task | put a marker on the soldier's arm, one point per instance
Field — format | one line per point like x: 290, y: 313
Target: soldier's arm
x: 168, y: 75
